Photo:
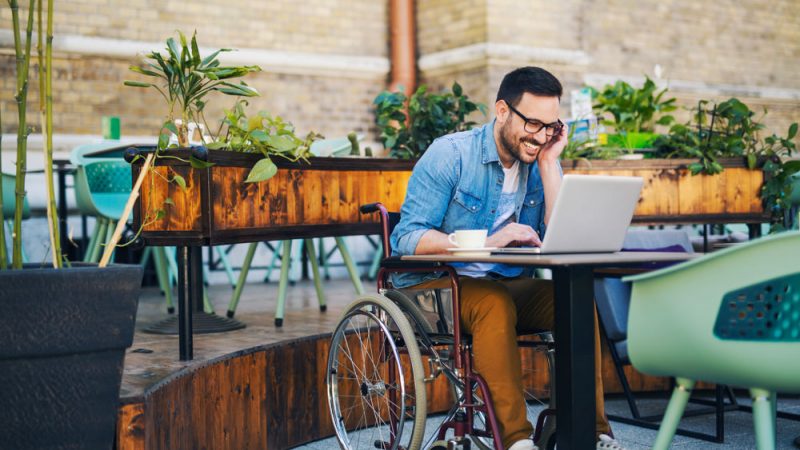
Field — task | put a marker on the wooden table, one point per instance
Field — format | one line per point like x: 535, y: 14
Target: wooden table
x: 573, y: 284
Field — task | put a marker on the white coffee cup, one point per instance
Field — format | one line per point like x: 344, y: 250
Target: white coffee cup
x: 468, y: 238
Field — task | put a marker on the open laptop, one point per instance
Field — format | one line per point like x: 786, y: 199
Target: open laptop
x: 591, y: 215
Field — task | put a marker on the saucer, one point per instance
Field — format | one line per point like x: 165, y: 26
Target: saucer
x: 471, y: 251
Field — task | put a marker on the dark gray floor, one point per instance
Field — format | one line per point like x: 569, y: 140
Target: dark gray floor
x: 738, y: 428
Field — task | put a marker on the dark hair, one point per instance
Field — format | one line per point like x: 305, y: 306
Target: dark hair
x: 533, y: 80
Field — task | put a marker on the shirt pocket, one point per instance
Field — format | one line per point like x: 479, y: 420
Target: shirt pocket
x: 532, y: 209
x: 470, y: 202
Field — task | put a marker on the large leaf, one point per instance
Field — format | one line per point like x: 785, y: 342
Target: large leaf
x: 263, y: 170
x: 281, y: 143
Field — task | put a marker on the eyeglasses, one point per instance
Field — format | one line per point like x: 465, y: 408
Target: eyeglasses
x: 534, y: 126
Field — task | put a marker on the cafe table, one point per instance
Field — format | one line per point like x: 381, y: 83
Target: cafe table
x: 573, y: 283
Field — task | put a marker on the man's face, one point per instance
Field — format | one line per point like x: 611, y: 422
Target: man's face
x: 515, y: 141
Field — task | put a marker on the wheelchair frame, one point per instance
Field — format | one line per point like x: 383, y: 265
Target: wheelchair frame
x: 468, y: 404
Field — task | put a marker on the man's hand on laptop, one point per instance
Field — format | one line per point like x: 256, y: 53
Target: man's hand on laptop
x: 514, y: 235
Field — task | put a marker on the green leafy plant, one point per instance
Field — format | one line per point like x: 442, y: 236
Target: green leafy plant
x: 730, y: 130
x: 777, y: 188
x: 633, y: 110
x: 265, y: 134
x: 726, y: 130
x: 184, y: 79
x: 407, y: 132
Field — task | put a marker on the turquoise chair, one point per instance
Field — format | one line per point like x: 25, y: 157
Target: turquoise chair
x: 730, y: 317
x: 289, y: 252
x: 9, y: 201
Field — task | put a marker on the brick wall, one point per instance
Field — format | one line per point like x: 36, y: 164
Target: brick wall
x: 319, y: 26
x: 749, y: 49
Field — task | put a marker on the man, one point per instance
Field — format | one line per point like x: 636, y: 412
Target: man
x: 504, y: 177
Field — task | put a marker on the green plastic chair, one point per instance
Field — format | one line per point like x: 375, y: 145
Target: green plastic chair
x: 325, y: 147
x: 730, y: 317
x: 290, y: 252
x: 9, y: 183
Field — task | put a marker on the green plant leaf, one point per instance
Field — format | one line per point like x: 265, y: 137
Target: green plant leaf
x: 170, y: 125
x: 457, y: 91
x: 281, y: 143
x: 143, y: 71
x: 792, y: 131
x: 195, y: 50
x: 168, y: 201
x: 137, y: 84
x: 199, y: 163
x: 263, y: 170
x: 180, y: 181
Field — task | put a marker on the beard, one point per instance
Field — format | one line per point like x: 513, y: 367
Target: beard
x: 518, y: 147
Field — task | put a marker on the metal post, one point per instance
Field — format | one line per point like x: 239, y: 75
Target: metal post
x: 575, y: 359
x: 186, y: 352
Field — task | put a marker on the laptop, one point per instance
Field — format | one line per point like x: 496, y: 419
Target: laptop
x: 591, y: 215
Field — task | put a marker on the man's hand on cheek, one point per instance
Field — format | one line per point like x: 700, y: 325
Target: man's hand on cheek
x: 514, y: 234
x: 555, y: 146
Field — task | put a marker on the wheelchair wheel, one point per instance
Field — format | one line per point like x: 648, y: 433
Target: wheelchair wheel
x: 376, y: 393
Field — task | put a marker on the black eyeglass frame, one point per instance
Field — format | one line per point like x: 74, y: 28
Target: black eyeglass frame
x: 538, y: 124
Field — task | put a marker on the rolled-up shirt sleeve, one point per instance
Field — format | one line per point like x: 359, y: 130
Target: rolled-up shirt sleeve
x: 428, y: 195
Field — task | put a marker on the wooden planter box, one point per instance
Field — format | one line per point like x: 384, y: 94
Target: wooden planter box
x: 322, y: 198
x: 303, y: 200
x: 671, y: 194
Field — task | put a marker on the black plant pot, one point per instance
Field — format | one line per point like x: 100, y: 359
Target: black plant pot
x: 63, y: 335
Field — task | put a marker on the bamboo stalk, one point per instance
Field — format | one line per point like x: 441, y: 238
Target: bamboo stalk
x: 23, y: 64
x: 46, y: 81
x: 42, y: 119
x: 126, y: 211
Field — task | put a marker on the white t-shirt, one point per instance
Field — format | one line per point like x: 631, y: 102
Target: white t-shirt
x: 503, y: 216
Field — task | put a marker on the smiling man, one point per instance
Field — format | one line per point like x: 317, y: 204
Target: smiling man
x: 503, y: 177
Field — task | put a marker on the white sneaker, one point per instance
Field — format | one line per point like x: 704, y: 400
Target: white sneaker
x: 606, y: 442
x: 525, y: 444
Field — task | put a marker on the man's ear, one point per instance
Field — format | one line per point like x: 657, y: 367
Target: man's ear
x: 501, y: 111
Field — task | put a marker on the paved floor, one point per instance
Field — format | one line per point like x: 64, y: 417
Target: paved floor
x: 738, y: 428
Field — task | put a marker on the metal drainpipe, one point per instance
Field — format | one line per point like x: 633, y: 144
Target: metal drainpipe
x: 403, y: 48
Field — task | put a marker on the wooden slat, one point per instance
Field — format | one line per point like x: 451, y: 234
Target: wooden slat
x: 131, y: 427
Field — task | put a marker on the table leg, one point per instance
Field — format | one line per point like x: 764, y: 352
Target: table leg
x: 192, y: 319
x: 188, y: 268
x: 574, y: 335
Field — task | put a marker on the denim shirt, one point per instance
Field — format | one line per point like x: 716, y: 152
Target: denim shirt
x: 456, y: 185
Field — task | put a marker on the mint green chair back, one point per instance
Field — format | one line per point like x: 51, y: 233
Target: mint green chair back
x: 340, y: 146
x: 85, y: 152
x: 102, y: 187
x: 9, y: 182
x: 730, y: 317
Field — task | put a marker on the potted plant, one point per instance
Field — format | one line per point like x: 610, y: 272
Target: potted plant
x: 716, y: 170
x: 409, y: 125
x: 64, y: 331
x: 634, y: 112
x: 256, y: 179
x: 729, y: 130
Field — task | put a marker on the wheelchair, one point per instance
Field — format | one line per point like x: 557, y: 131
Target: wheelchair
x: 396, y: 355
